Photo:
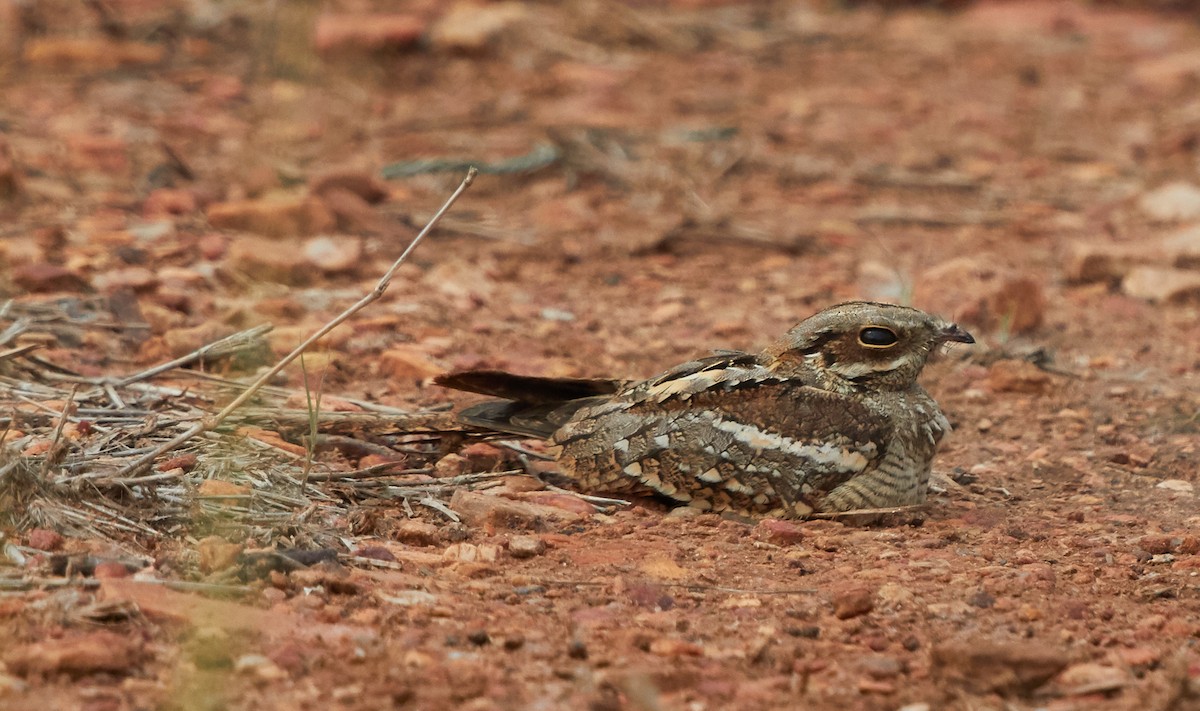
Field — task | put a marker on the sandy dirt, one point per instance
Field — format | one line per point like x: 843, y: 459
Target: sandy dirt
x: 661, y: 179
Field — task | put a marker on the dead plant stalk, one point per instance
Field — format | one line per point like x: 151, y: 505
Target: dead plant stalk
x: 210, y: 423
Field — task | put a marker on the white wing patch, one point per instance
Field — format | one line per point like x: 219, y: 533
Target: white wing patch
x: 686, y: 386
x: 826, y: 453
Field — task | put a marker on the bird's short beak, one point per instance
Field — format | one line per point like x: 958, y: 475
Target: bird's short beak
x: 956, y: 334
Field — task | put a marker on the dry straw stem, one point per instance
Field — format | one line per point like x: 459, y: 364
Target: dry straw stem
x: 224, y: 346
x: 209, y: 423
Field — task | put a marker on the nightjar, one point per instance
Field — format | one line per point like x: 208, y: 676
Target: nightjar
x: 829, y: 418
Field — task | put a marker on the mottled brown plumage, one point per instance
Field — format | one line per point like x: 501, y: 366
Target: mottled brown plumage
x: 829, y: 418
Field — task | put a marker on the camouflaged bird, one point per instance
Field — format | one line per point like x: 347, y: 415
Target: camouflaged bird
x: 829, y: 418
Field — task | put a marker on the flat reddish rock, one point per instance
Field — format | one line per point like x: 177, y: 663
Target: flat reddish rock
x: 407, y: 363
x: 42, y: 277
x: 471, y: 26
x: 353, y: 213
x: 779, y: 532
x: 182, y: 461
x: 1015, y: 305
x: 273, y: 216
x: 1165, y: 74
x: 482, y: 454
x: 558, y: 500
x: 498, y: 512
x: 110, y: 569
x: 853, y: 603
x: 361, y: 183
x: 43, y: 539
x: 91, y: 53
x: 75, y: 656
x: 1087, y: 261
x: 169, y: 201
x: 366, y: 32
x: 417, y: 533
x: 270, y: 259
x: 1018, y: 376
x: 979, y: 293
x: 217, y: 554
x: 1013, y: 668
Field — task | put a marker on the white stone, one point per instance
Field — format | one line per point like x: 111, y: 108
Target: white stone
x: 1184, y: 487
x: 1173, y: 201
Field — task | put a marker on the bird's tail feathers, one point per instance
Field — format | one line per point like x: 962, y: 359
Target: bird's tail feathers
x: 529, y: 389
x: 531, y: 406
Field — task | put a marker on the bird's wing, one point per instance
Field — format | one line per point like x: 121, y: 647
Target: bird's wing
x: 535, y: 406
x: 738, y: 436
x: 530, y: 389
x: 523, y: 419
x: 532, y: 406
x: 721, y: 370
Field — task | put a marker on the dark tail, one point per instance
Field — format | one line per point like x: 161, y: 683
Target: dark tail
x: 532, y: 406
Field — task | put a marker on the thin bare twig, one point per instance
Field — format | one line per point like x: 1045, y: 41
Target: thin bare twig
x: 694, y: 587
x: 225, y: 345
x: 438, y: 506
x: 373, y: 562
x: 134, y: 481
x: 18, y: 351
x: 15, y: 329
x: 378, y: 470
x: 603, y: 501
x: 197, y: 587
x: 513, y: 446
x: 834, y: 515
x: 210, y: 423
x: 313, y: 409
x: 51, y: 455
x: 33, y: 583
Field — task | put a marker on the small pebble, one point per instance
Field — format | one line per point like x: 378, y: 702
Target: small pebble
x: 853, y: 603
x: 557, y: 315
x: 43, y: 539
x: 479, y: 638
x: 514, y: 642
x: 417, y: 533
x: 871, y: 686
x: 525, y: 546
x: 882, y: 667
x: 259, y: 666
x: 1156, y: 544
x: 981, y: 599
x: 1184, y: 487
x: 577, y: 649
x: 110, y: 569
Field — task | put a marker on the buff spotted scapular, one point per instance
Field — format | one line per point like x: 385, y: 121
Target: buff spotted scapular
x: 830, y: 418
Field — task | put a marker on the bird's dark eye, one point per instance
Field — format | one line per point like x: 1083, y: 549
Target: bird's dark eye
x: 877, y: 337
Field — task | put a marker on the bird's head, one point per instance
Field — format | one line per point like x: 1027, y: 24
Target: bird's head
x: 866, y: 344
